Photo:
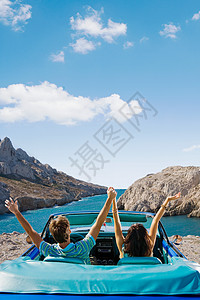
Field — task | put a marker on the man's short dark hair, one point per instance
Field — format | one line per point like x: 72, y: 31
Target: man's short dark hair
x: 58, y: 228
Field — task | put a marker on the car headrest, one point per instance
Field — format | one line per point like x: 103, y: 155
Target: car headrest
x: 72, y: 260
x: 139, y: 261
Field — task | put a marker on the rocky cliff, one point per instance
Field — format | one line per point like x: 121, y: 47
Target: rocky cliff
x: 37, y: 185
x: 148, y: 193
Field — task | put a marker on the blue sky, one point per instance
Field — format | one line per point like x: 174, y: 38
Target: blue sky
x: 69, y: 67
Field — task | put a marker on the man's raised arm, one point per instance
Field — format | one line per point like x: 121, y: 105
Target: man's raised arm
x: 13, y: 207
x: 94, y: 231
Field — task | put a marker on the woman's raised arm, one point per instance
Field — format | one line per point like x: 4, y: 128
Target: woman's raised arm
x: 158, y: 216
x: 118, y: 229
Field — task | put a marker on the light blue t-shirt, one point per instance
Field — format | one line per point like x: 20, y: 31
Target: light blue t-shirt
x: 81, y: 249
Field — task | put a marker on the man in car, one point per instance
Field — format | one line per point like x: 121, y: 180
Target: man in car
x: 60, y: 230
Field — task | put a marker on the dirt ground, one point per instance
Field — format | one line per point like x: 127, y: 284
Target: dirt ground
x: 12, y: 245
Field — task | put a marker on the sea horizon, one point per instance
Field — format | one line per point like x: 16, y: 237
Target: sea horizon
x: 181, y: 224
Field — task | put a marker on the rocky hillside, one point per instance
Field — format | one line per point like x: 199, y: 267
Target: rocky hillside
x: 148, y: 193
x: 36, y: 185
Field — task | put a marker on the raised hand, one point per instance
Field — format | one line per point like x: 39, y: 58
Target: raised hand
x: 12, y: 205
x: 177, y: 196
x: 111, y: 193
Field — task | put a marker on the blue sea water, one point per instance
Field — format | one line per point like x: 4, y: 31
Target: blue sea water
x: 174, y: 225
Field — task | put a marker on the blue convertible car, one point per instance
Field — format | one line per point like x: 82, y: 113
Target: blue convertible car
x: 167, y: 275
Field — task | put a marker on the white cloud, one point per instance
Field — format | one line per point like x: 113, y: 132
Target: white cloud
x: 14, y: 14
x: 128, y: 45
x: 113, y: 30
x: 196, y: 16
x: 83, y: 46
x: 36, y: 103
x: 170, y: 30
x: 60, y: 57
x: 91, y: 27
x: 194, y: 147
x: 144, y: 39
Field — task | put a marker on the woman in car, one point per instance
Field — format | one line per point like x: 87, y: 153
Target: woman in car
x: 138, y: 242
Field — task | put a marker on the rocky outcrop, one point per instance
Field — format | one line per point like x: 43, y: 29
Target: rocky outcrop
x: 36, y: 185
x: 19, y: 164
x: 4, y: 194
x: 148, y: 193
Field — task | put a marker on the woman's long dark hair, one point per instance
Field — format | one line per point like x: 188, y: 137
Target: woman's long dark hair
x: 137, y: 241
